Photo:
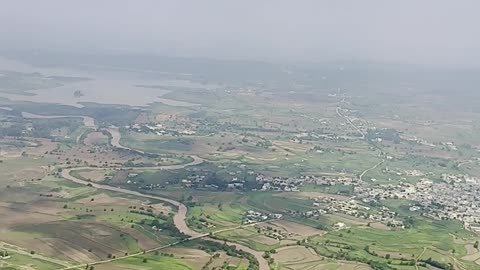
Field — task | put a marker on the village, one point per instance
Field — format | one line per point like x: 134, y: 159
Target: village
x: 444, y: 197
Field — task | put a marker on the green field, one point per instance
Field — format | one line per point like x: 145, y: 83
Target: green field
x: 153, y: 263
x: 430, y: 239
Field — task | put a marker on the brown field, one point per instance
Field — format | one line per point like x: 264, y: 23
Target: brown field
x: 80, y: 155
x: 71, y: 241
x: 292, y: 146
x: 22, y: 169
x: 313, y: 194
x: 232, y: 261
x: 95, y: 138
x: 473, y: 254
x: 94, y: 175
x: 112, y: 267
x: 186, y: 252
x: 394, y: 255
x: 297, y: 230
x: 12, y: 214
x: 262, y: 239
x: 194, y: 258
x: 379, y: 225
x: 347, y: 219
x: 41, y: 224
x: 190, y: 256
x: 105, y: 199
x: 35, y: 147
x: 120, y: 177
x: 295, y: 254
x: 301, y: 258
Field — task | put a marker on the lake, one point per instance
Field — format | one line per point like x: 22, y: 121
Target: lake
x: 104, y: 91
x: 103, y: 87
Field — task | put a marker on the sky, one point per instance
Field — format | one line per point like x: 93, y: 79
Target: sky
x: 430, y: 32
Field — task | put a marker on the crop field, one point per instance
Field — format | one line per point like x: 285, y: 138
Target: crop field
x: 152, y: 263
x: 228, y: 209
x: 19, y: 260
x: 341, y: 160
x: 100, y: 225
x: 47, y: 222
x: 300, y: 258
x: 437, y: 240
x: 95, y: 138
x: 251, y: 238
x: 92, y: 175
x: 277, y: 202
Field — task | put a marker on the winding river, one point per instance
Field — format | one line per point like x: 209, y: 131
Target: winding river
x: 88, y: 121
x: 180, y: 216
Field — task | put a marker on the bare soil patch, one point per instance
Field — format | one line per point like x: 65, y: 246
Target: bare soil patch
x: 473, y: 254
x: 94, y: 175
x: 95, y: 138
x: 296, y: 229
x: 295, y: 254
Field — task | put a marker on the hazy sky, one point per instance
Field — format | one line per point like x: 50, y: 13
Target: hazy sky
x: 418, y: 31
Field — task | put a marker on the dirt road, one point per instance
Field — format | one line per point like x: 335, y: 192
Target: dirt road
x: 370, y: 169
x: 349, y: 121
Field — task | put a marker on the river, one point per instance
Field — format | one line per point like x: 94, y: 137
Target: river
x: 88, y: 121
x: 180, y: 216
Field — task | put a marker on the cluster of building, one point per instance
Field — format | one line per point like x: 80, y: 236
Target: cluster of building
x: 274, y: 233
x: 351, y: 207
x: 255, y: 217
x: 295, y: 183
x: 456, y: 197
x: 158, y: 129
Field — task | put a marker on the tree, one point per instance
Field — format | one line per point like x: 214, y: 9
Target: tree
x: 144, y: 260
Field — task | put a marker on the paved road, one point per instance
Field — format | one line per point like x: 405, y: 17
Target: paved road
x: 350, y: 122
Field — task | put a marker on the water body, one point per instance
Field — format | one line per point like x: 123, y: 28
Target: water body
x: 88, y: 121
x: 103, y: 91
x: 105, y: 87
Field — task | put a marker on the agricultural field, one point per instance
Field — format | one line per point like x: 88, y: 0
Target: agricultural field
x: 443, y: 242
x: 226, y: 174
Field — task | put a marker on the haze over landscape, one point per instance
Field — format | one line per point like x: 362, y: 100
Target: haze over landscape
x: 421, y: 32
x: 239, y: 135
